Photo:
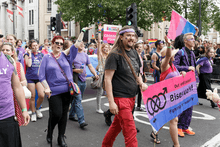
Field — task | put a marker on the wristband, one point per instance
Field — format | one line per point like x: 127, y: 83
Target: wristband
x: 83, y: 30
x: 99, y: 31
x: 25, y: 109
x: 169, y: 47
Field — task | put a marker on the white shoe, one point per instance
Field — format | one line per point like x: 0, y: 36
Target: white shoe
x: 39, y: 114
x: 33, y: 117
x: 99, y: 111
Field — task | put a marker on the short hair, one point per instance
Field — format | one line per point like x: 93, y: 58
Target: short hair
x: 15, y: 38
x: 30, y: 43
x: 55, y: 38
x: 185, y: 35
x: 18, y: 41
x: 178, y: 42
x: 157, y: 43
x: 66, y: 44
x: 207, y: 51
x: 137, y: 45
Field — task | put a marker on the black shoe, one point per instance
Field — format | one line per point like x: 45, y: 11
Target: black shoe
x: 73, y: 119
x: 108, y: 120
x: 137, y: 130
x: 49, y: 138
x: 213, y: 105
x: 82, y: 125
x: 200, y: 103
x: 61, y: 141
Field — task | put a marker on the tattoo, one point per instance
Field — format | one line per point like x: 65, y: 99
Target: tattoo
x: 45, y: 84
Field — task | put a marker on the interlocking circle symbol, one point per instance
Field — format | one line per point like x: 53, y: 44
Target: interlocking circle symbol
x: 156, y: 103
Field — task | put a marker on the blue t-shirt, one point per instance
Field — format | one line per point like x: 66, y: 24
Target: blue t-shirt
x: 32, y: 72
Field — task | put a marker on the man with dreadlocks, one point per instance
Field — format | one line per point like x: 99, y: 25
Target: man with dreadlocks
x: 122, y: 79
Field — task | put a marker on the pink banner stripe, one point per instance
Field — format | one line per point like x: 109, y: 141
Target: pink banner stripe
x: 181, y: 26
x: 175, y: 19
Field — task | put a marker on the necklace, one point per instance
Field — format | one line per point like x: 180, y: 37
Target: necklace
x: 57, y: 56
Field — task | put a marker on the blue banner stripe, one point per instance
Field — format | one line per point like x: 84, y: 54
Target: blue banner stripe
x: 189, y: 28
x: 170, y: 113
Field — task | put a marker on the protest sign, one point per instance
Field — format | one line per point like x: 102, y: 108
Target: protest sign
x: 169, y: 98
x: 110, y: 32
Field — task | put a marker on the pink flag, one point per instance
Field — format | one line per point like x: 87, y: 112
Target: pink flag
x: 10, y: 14
x: 20, y: 10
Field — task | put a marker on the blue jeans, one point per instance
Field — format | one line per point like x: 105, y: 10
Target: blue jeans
x: 76, y: 107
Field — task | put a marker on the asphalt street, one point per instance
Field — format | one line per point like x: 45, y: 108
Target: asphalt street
x: 205, y: 122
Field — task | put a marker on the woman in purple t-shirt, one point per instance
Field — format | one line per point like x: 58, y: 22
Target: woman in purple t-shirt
x: 10, y: 133
x: 33, y: 60
x: 204, y: 69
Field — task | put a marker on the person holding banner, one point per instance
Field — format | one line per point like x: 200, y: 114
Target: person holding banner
x: 122, y: 78
x: 168, y: 70
x: 185, y: 61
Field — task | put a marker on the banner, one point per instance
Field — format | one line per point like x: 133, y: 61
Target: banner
x: 110, y: 32
x: 10, y: 15
x: 151, y: 41
x: 167, y: 99
x: 179, y: 25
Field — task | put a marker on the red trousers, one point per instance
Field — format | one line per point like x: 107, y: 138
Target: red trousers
x: 123, y: 121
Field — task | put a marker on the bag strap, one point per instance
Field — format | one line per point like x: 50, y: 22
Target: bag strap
x: 62, y: 71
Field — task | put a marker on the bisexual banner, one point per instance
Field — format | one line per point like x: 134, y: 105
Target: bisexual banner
x: 110, y: 32
x: 167, y: 99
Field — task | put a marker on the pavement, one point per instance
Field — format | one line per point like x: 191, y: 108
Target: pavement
x: 205, y: 122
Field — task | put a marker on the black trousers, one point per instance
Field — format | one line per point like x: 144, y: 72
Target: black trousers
x: 9, y: 133
x: 58, y: 109
x: 204, y: 83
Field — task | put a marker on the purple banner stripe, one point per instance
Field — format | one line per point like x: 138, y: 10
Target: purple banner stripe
x: 181, y: 26
x: 171, y: 99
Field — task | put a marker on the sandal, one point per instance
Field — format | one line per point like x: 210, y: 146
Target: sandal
x: 155, y: 137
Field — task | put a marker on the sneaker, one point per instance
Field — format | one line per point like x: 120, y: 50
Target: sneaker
x: 180, y: 133
x: 39, y: 114
x: 139, y: 109
x: 34, y: 117
x: 189, y: 132
x: 82, y: 125
x: 99, y: 111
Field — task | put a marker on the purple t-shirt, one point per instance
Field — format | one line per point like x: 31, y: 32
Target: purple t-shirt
x: 206, y: 66
x: 81, y: 58
x: 32, y: 72
x: 50, y: 71
x: 21, y: 55
x: 6, y: 93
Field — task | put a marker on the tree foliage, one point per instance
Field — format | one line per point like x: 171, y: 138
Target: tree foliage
x: 88, y: 12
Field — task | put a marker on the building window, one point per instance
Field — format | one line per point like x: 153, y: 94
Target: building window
x: 49, y: 6
x: 31, y: 34
x: 30, y: 1
x: 48, y: 32
x: 31, y: 17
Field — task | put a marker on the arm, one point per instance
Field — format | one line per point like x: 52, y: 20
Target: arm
x: 20, y: 96
x: 154, y: 58
x: 197, y: 31
x: 197, y: 68
x: 166, y: 60
x: 99, y: 53
x: 177, y: 60
x: 28, y: 59
x: 140, y: 82
x: 108, y: 86
x: 23, y: 78
x: 78, y: 70
x: 92, y: 69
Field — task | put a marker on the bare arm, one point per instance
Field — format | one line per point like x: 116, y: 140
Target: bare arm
x: 197, y: 69
x: 166, y: 60
x: 46, y: 88
x: 99, y: 53
x: 92, y: 69
x: 28, y: 59
x: 154, y: 58
x: 108, y: 87
x: 23, y: 78
x: 20, y: 96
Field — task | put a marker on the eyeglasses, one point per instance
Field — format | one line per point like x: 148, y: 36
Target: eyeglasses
x: 58, y: 43
x: 192, y: 39
x: 7, y: 43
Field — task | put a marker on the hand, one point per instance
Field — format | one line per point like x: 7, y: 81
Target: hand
x: 97, y: 77
x: 198, y: 72
x: 183, y: 73
x: 26, y: 117
x: 100, y: 26
x: 80, y: 71
x: 48, y: 92
x: 113, y: 108
x: 28, y: 51
x: 197, y: 29
x: 167, y: 40
x: 143, y: 87
x: 87, y: 28
x: 191, y: 68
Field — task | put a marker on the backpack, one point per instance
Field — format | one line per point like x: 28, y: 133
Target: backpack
x: 151, y: 60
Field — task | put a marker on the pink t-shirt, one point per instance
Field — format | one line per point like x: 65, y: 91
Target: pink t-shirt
x: 44, y: 51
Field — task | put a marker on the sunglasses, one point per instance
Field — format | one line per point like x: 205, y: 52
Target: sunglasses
x: 192, y: 39
x: 58, y: 43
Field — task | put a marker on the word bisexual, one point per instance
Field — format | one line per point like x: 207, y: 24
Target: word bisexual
x: 176, y: 96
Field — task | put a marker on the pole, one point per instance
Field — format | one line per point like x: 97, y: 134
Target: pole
x: 186, y: 9
x: 13, y: 9
x: 200, y: 22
